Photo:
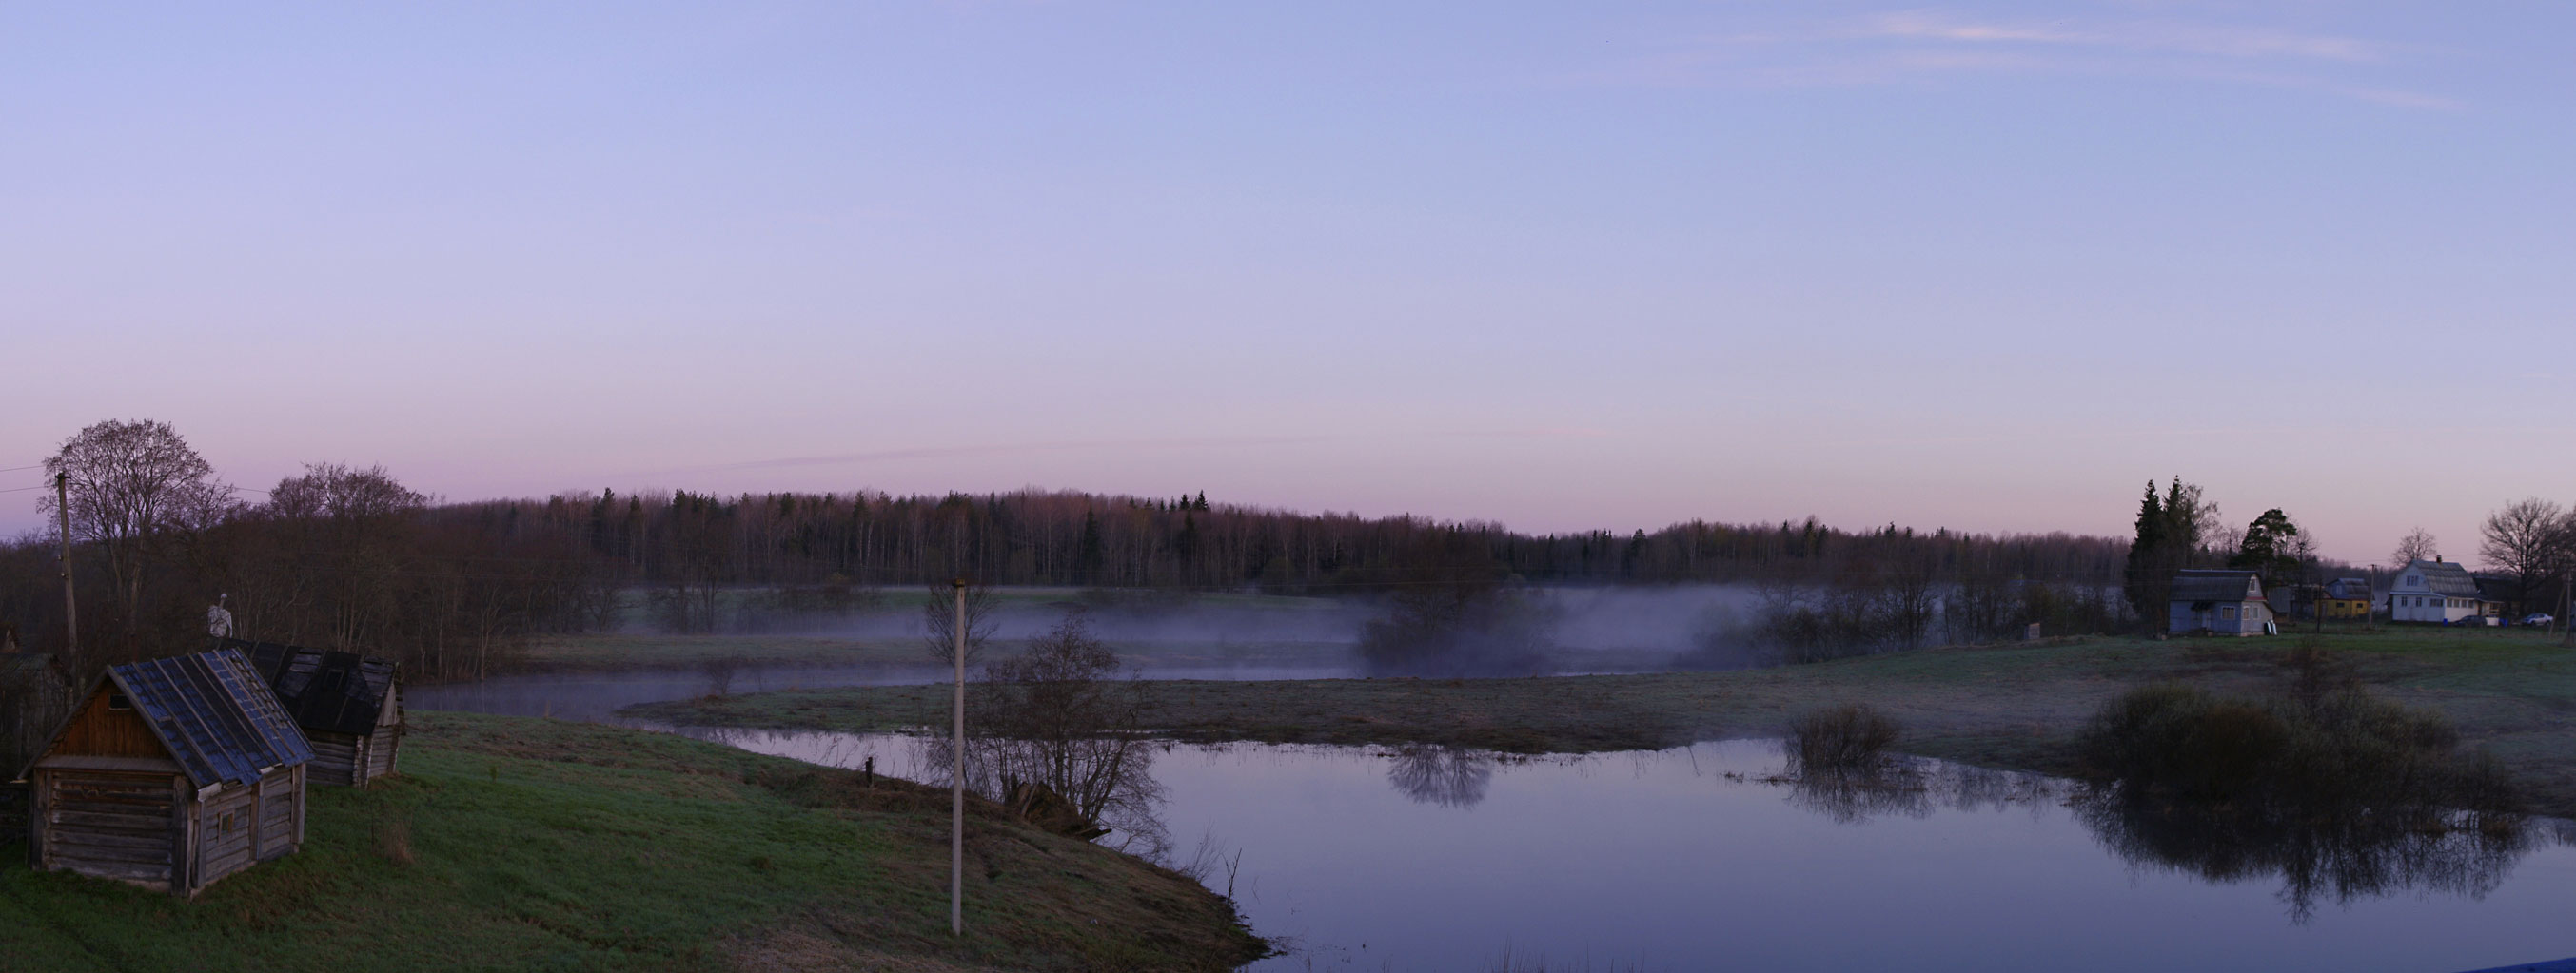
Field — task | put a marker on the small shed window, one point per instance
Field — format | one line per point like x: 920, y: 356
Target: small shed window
x: 118, y: 701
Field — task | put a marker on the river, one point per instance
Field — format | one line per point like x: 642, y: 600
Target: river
x: 1704, y: 858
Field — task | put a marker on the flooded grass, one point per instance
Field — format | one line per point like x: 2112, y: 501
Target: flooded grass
x: 2020, y: 706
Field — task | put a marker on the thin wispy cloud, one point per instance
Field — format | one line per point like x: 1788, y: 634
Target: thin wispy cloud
x: 1912, y: 45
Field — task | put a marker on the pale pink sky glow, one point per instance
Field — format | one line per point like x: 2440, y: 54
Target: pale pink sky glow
x: 1983, y: 266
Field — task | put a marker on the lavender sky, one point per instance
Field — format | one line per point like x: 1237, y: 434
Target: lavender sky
x: 1564, y: 266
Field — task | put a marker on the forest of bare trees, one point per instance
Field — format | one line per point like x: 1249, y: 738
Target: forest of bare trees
x: 341, y: 556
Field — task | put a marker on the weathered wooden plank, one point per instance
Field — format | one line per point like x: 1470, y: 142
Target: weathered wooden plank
x: 226, y: 863
x: 153, y: 788
x: 150, y: 765
x: 74, y: 845
x: 81, y: 817
x: 128, y: 871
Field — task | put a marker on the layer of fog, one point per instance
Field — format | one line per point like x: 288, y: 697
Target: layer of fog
x: 1582, y: 629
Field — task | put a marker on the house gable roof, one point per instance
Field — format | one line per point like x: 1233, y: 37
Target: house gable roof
x: 2444, y: 578
x: 212, y: 712
x: 323, y: 689
x: 2214, y: 585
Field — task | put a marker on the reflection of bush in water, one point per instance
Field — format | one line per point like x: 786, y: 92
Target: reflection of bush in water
x: 1442, y: 775
x: 2342, y: 794
x: 2319, y: 855
x: 2341, y: 857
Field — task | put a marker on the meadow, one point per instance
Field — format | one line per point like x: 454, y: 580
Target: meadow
x: 528, y: 844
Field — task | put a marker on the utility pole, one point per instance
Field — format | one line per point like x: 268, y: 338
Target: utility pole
x: 957, y: 781
x: 71, y: 611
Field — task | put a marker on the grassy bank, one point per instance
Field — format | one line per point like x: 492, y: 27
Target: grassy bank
x: 513, y: 844
x: 2005, y: 706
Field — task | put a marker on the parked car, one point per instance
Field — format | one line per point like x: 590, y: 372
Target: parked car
x: 2537, y: 620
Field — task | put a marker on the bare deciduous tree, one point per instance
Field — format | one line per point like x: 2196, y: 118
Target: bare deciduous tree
x: 2417, y: 545
x: 939, y: 622
x: 2529, y: 539
x: 139, y: 492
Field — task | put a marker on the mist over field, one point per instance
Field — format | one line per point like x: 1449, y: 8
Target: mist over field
x: 1582, y: 628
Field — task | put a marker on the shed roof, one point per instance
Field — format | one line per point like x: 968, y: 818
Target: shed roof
x: 219, y: 721
x: 20, y: 665
x: 2213, y: 585
x: 324, y: 689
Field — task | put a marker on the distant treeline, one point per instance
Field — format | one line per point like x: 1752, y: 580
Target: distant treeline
x: 352, y: 558
x: 1032, y: 537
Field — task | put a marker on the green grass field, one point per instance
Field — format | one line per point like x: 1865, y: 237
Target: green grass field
x: 2004, y: 706
x: 522, y: 844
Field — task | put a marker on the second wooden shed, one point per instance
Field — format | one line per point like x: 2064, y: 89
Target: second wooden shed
x: 346, y: 703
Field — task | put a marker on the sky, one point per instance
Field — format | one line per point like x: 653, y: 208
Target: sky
x: 1563, y: 266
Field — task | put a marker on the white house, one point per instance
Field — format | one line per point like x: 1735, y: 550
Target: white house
x: 2438, y: 592
x: 2223, y: 602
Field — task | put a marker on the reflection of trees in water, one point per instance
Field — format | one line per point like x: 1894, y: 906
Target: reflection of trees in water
x: 1914, y: 789
x: 1442, y: 775
x: 2341, y: 855
x: 2319, y: 854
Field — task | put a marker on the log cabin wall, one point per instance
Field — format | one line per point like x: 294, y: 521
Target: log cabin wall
x: 226, y: 825
x: 381, y: 746
x: 113, y: 824
x: 336, y: 758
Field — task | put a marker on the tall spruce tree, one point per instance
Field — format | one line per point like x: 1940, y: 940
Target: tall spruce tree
x: 2145, y: 583
x: 1093, y: 553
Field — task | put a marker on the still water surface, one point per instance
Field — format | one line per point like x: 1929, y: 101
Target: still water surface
x: 1700, y: 858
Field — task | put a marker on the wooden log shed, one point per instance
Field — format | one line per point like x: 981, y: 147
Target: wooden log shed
x: 171, y: 774
x: 347, y: 704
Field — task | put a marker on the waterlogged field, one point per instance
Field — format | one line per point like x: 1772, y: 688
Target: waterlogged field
x: 2001, y: 706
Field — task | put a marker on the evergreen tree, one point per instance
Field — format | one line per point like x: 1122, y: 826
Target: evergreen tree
x: 1092, y: 553
x: 2266, y: 548
x: 2145, y: 587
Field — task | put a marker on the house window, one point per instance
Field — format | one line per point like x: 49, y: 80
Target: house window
x: 2226, y: 611
x: 118, y: 701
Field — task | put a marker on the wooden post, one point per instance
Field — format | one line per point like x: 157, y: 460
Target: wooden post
x: 185, y: 850
x: 957, y: 781
x: 38, y: 782
x: 71, y: 611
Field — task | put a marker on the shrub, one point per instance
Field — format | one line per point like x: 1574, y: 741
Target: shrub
x: 2336, y: 748
x: 1840, y: 739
